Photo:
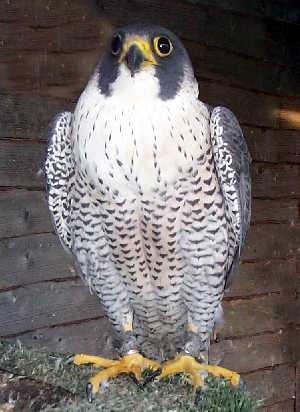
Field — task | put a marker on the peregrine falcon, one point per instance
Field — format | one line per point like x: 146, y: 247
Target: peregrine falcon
x: 149, y: 190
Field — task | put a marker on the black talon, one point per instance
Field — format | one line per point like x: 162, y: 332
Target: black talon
x: 69, y: 360
x: 135, y: 380
x: 243, y: 384
x: 152, y: 377
x: 198, y: 395
x: 88, y: 392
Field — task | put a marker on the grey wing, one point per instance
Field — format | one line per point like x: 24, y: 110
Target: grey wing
x: 59, y: 171
x: 232, y: 162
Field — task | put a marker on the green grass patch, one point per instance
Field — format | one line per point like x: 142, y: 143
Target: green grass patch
x: 173, y: 394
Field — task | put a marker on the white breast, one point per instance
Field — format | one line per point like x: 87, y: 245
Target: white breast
x: 133, y: 140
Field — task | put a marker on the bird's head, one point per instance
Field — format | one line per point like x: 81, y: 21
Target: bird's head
x: 145, y: 51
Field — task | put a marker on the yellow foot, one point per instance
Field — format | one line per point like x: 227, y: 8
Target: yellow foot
x: 188, y: 364
x: 133, y: 364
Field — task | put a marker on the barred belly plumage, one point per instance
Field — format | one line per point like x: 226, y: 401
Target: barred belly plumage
x: 168, y: 250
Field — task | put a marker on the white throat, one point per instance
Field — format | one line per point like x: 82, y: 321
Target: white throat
x: 142, y: 87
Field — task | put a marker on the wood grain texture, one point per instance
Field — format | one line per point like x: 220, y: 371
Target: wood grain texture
x: 272, y: 241
x: 54, y: 74
x: 268, y: 313
x: 22, y: 164
x: 275, y: 210
x: 96, y: 337
x: 32, y: 259
x: 240, y: 33
x: 28, y: 117
x: 273, y: 385
x: 24, y: 212
x: 283, y: 10
x: 250, y: 108
x: 222, y: 66
x: 289, y: 113
x: 275, y: 180
x: 43, y: 304
x: 256, y: 352
x: 273, y: 146
x: 264, y: 277
x: 286, y: 406
x: 270, y: 359
x: 297, y: 383
x: 45, y: 45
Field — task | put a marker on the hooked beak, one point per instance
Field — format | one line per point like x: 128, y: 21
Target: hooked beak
x: 137, y: 55
x: 134, y: 59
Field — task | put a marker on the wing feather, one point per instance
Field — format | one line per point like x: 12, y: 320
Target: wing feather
x: 59, y: 170
x: 232, y: 161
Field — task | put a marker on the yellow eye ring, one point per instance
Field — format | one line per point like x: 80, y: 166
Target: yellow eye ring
x: 163, y: 46
x: 116, y: 44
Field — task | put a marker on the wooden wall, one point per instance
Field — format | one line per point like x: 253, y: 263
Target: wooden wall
x: 246, y: 57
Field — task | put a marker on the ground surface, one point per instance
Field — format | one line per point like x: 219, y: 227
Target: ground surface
x: 32, y: 380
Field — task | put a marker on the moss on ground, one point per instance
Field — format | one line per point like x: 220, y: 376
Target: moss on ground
x: 170, y: 394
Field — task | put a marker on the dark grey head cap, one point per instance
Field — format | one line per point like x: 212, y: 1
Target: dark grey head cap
x: 170, y: 70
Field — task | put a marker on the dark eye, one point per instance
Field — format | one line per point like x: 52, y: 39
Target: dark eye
x: 163, y: 46
x: 116, y: 44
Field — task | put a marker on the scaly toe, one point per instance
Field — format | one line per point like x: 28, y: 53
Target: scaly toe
x: 198, y: 394
x: 196, y: 370
x: 243, y: 384
x: 132, y: 364
x: 89, y: 392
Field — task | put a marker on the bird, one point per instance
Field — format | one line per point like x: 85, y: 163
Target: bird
x: 149, y: 190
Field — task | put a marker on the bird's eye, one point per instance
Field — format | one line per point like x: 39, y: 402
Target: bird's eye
x: 163, y: 46
x: 116, y: 44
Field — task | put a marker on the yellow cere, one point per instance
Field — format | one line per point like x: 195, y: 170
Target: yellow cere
x: 144, y: 46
